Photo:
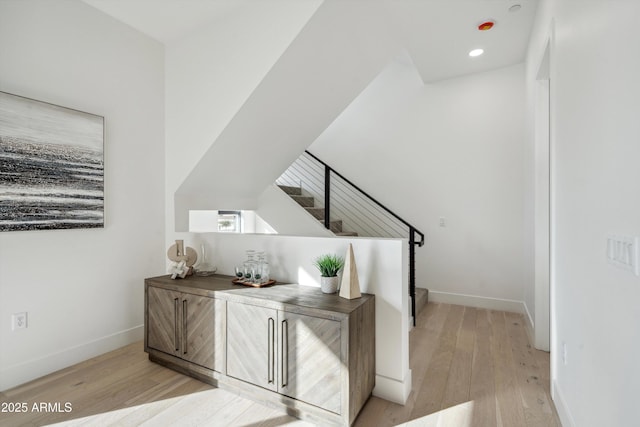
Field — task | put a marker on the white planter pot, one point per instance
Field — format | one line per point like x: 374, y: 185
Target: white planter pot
x: 329, y: 285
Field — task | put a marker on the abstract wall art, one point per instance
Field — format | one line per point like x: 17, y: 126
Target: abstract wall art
x: 51, y: 166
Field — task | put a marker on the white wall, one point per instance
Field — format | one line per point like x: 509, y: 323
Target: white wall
x: 452, y: 149
x: 595, y: 102
x: 286, y: 216
x: 83, y: 289
x: 212, y: 72
x: 382, y: 270
x: 295, y: 101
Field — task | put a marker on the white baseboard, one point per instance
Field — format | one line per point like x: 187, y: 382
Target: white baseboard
x: 530, y: 326
x: 393, y: 390
x: 528, y: 317
x: 561, y: 406
x: 512, y: 306
x: 35, y: 368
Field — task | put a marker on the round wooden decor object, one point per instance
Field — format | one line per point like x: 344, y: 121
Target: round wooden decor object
x: 191, y: 257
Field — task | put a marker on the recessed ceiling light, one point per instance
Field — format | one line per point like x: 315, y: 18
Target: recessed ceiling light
x: 515, y: 8
x: 476, y: 52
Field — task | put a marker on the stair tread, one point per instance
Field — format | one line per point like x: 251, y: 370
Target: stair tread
x: 296, y: 191
x: 318, y: 213
x: 346, y: 233
x: 304, y: 201
x: 335, y: 225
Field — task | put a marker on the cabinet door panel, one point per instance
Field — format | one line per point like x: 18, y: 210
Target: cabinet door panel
x: 164, y: 320
x: 310, y: 368
x: 251, y: 344
x: 220, y: 335
x: 198, y: 334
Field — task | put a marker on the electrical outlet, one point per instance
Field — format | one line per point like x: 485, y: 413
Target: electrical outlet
x: 565, y: 358
x: 18, y: 321
x: 441, y: 223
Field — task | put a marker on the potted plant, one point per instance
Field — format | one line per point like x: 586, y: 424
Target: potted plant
x: 329, y: 266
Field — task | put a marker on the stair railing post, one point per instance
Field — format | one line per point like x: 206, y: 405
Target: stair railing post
x: 327, y: 197
x: 412, y: 272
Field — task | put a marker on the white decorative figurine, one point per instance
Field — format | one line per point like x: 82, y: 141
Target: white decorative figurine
x: 183, y: 260
x: 179, y: 269
x: 350, y: 286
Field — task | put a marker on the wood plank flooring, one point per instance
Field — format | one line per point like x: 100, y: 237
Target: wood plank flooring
x: 471, y: 367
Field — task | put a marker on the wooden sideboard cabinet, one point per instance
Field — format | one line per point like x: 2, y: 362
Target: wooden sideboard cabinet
x: 287, y: 346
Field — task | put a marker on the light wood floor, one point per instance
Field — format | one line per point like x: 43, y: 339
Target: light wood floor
x: 471, y: 367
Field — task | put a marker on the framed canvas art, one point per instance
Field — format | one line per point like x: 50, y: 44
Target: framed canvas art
x: 51, y: 166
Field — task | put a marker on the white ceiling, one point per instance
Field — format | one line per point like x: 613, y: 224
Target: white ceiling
x: 438, y: 34
x: 166, y: 20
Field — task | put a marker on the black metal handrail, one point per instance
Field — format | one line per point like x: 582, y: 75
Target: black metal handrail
x: 412, y: 230
x: 327, y: 181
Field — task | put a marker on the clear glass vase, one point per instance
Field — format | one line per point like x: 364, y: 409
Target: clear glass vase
x: 249, y: 267
x: 265, y: 272
x: 205, y: 268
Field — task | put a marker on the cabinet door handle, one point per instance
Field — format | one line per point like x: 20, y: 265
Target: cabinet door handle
x: 175, y: 323
x: 284, y: 355
x: 271, y: 350
x: 184, y: 326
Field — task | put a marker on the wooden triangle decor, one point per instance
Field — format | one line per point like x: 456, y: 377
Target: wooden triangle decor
x: 350, y: 286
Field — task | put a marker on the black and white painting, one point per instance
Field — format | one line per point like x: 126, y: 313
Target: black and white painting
x: 51, y: 166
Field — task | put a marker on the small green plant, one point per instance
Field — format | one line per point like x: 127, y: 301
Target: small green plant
x: 329, y: 265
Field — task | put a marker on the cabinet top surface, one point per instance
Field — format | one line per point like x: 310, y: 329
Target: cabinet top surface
x: 220, y: 286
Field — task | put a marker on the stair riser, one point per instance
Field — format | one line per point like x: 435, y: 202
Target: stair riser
x: 317, y: 213
x: 304, y: 201
x: 422, y: 298
x: 336, y: 226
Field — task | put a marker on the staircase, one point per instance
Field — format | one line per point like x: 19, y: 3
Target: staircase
x: 345, y: 200
x: 308, y: 203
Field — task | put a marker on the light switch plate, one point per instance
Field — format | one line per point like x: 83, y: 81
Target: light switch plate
x: 622, y: 251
